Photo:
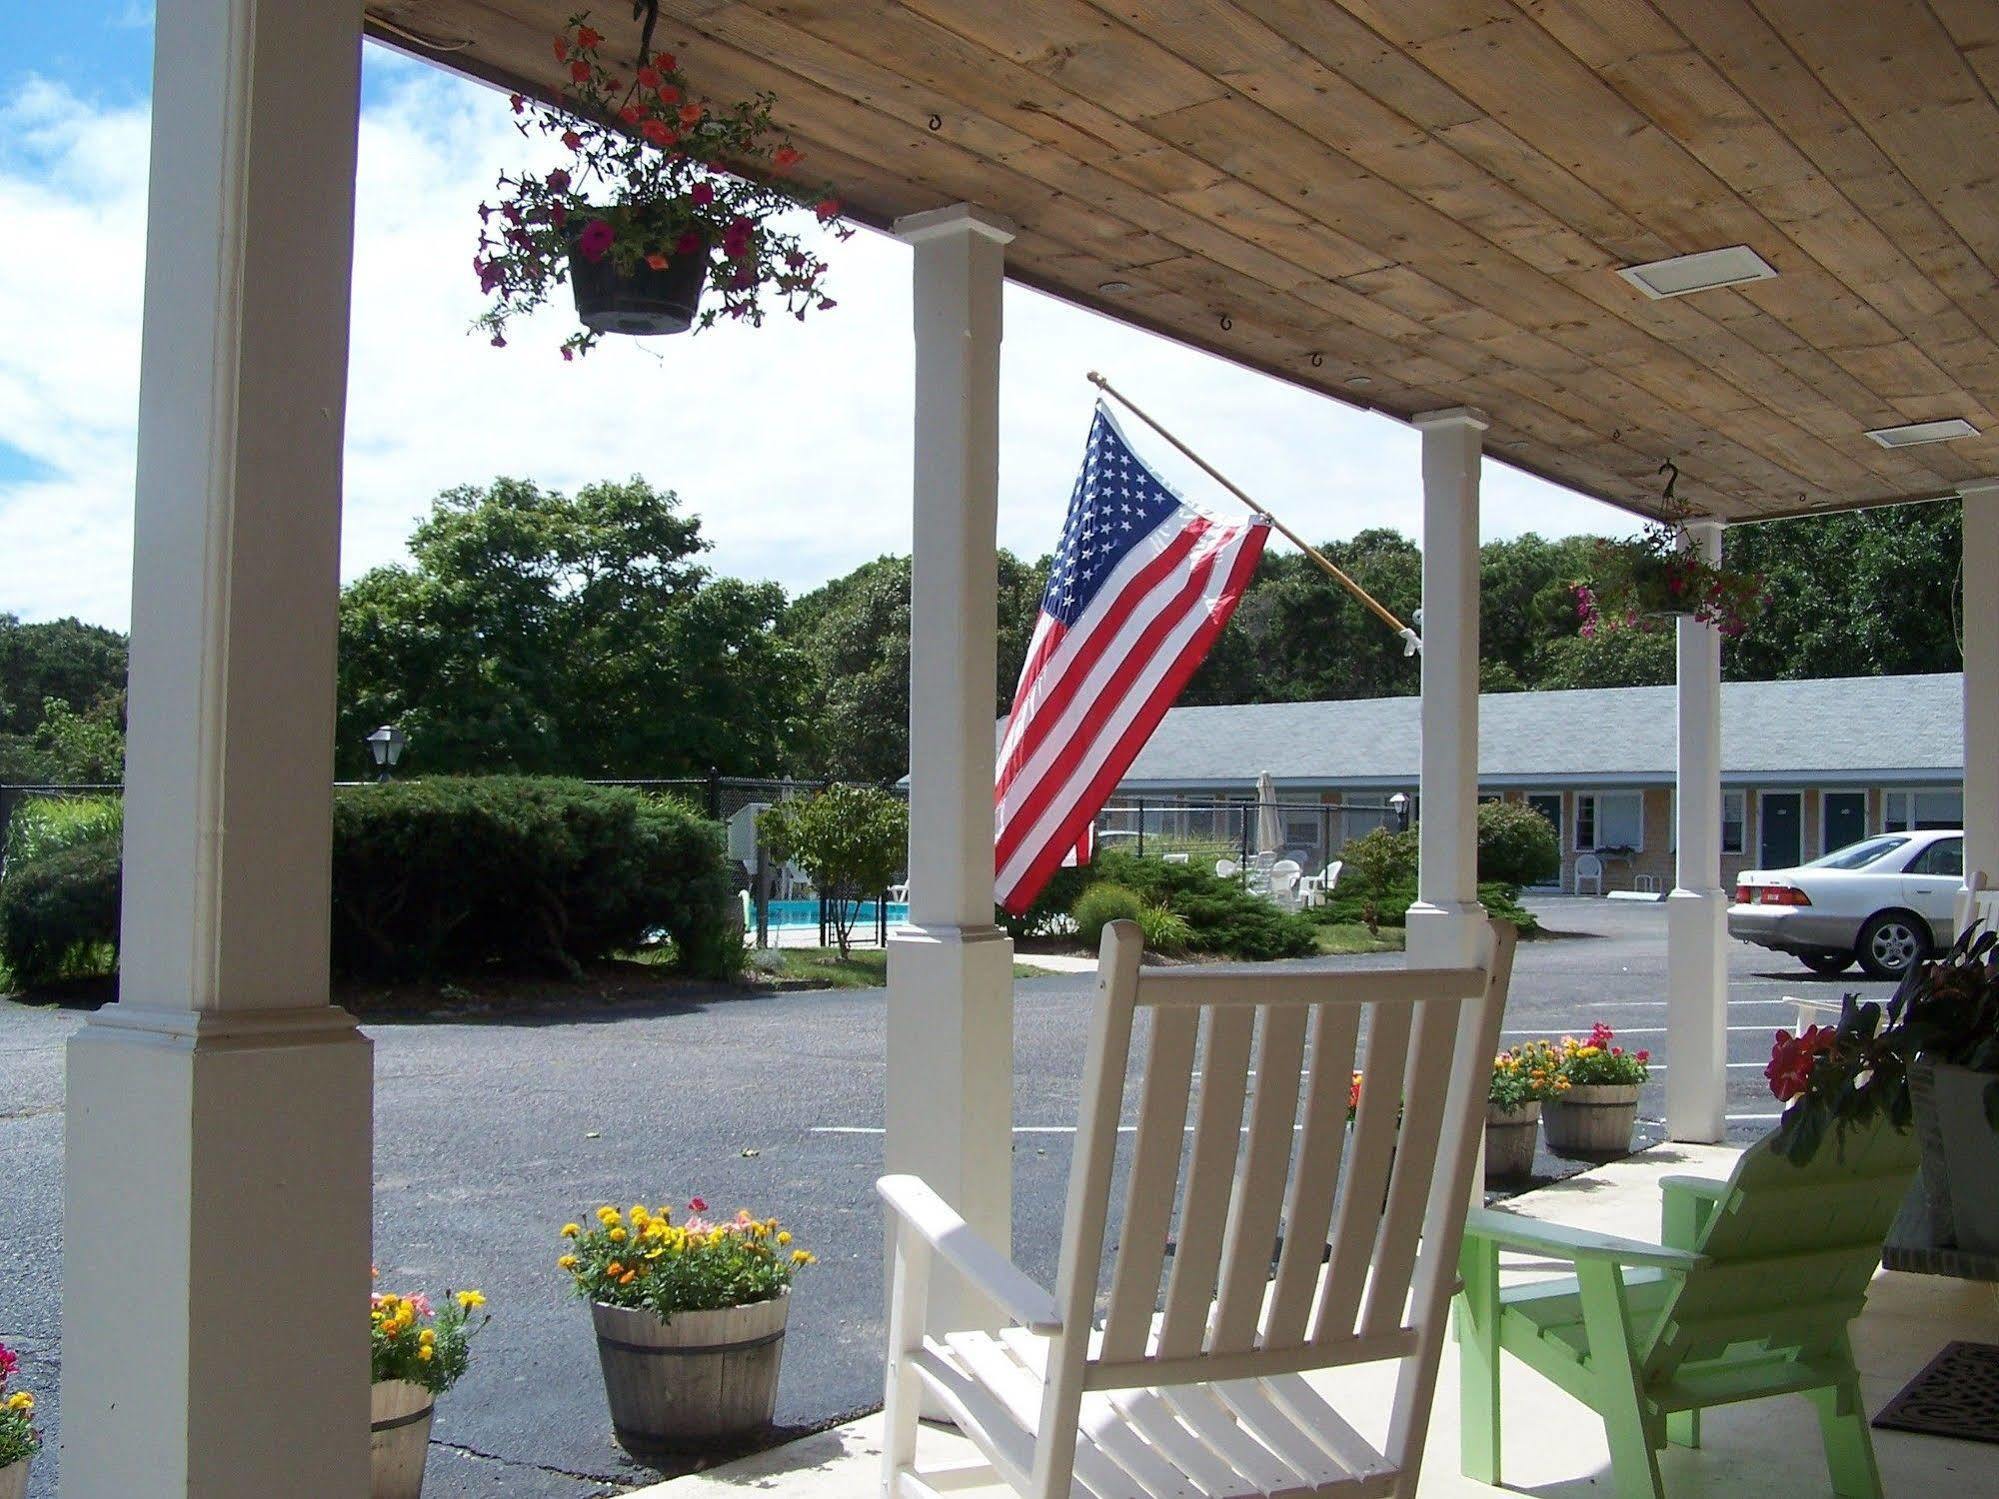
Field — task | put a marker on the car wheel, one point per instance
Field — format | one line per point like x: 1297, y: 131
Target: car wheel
x: 1891, y: 942
x: 1827, y: 963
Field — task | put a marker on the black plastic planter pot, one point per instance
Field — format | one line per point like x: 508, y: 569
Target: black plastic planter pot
x: 645, y: 303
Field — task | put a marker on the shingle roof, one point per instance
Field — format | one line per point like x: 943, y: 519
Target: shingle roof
x: 1841, y: 729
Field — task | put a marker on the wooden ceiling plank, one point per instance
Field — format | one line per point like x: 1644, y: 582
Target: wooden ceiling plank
x: 1902, y: 77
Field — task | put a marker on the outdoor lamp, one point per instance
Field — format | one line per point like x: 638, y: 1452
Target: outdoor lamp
x: 1400, y: 803
x: 386, y: 745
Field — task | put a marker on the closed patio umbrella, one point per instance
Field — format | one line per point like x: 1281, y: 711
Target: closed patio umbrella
x: 1269, y: 826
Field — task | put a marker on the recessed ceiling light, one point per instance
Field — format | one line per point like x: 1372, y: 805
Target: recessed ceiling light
x: 1920, y: 432
x: 1705, y: 271
x: 1113, y: 287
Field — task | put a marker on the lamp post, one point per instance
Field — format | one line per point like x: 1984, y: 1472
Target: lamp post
x: 386, y: 745
x: 1400, y: 802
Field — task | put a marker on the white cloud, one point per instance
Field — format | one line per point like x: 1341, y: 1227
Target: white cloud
x: 791, y: 442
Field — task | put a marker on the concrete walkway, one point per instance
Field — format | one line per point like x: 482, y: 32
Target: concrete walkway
x: 1553, y: 1446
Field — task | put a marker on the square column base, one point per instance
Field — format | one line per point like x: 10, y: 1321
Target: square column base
x: 949, y: 1106
x: 216, y: 1230
x: 1697, y: 1016
x: 1446, y: 934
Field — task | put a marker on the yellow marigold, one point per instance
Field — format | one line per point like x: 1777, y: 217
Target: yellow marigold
x: 425, y: 1353
x: 784, y: 1236
x: 803, y: 1257
x: 617, y: 1236
x: 614, y: 1268
x: 471, y: 1300
x: 639, y: 1214
x: 571, y: 1230
x: 427, y: 1336
x: 21, y: 1401
x: 608, y: 1214
x: 568, y: 1262
x: 628, y: 1277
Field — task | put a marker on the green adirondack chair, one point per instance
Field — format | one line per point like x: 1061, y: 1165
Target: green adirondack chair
x: 1749, y: 1295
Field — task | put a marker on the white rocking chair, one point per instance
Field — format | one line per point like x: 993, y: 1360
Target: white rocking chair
x: 1301, y: 1242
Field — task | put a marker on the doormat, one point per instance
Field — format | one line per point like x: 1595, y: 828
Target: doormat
x: 1957, y: 1395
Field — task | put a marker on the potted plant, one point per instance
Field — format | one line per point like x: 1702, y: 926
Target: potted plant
x: 1931, y: 1058
x: 653, y: 194
x: 416, y: 1353
x: 19, y: 1441
x: 1596, y: 1113
x: 1647, y: 581
x: 1523, y: 1078
x: 690, y: 1322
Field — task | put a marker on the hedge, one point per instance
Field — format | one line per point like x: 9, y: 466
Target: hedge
x: 458, y: 873
x: 443, y: 876
x: 1348, y: 904
x: 1223, y: 919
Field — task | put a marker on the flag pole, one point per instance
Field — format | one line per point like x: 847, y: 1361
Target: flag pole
x: 1412, y: 643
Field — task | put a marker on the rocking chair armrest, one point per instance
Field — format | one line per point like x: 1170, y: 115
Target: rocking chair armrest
x: 1512, y: 1231
x: 937, y: 1223
x: 1699, y: 1186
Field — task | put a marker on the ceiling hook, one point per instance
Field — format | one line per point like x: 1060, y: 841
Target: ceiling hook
x: 1227, y: 322
x: 937, y: 122
x: 1318, y: 361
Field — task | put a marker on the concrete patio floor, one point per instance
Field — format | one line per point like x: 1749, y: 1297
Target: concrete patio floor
x: 1553, y: 1446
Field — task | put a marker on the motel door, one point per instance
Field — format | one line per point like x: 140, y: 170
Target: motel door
x: 1550, y: 807
x: 1781, y: 845
x: 1845, y: 819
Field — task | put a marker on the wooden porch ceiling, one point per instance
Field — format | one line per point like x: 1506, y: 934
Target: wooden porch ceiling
x: 1433, y: 197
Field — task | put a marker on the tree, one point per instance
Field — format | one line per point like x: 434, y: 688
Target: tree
x: 854, y: 632
x: 538, y: 632
x: 850, y: 839
x: 1516, y: 844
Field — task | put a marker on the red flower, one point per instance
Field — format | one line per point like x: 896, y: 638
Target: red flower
x: 657, y: 261
x: 656, y: 132
x: 664, y: 62
x: 561, y: 49
x: 687, y: 244
x: 596, y: 239
x: 648, y: 78
x: 784, y: 157
x: 697, y: 1204
x: 588, y: 39
x: 736, y: 239
x: 572, y: 140
x: 690, y: 114
x: 828, y: 208
x: 1793, y: 1057
x: 558, y: 181
x: 631, y: 114
x: 668, y: 94
x: 580, y: 71
x: 703, y: 193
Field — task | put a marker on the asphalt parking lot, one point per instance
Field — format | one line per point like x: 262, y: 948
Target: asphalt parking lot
x: 489, y: 1134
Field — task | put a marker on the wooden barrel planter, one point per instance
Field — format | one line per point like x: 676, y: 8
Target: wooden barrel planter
x: 704, y: 1380
x: 1593, y: 1119
x: 644, y: 302
x: 14, y: 1479
x: 1509, y: 1141
x: 398, y: 1438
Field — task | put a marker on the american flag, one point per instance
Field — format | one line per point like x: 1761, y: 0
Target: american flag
x: 1141, y: 586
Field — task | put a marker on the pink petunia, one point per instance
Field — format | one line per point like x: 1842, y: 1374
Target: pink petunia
x: 596, y: 239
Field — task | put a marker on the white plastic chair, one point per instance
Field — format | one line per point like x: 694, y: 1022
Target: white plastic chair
x: 1300, y: 1243
x: 1227, y: 869
x: 1282, y: 886
x: 1314, y: 888
x: 1173, y: 858
x: 1589, y: 867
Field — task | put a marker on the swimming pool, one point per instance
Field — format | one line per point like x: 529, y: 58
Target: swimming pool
x: 800, y: 913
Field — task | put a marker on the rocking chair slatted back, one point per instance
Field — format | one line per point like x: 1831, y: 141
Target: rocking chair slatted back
x: 1241, y: 1157
x: 1790, y: 1251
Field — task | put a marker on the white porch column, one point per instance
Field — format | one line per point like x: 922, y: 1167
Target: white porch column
x: 1981, y: 688
x: 1447, y: 924
x: 950, y: 972
x: 220, y: 1111
x: 1697, y: 909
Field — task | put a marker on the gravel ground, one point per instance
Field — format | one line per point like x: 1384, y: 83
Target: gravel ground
x: 490, y: 1133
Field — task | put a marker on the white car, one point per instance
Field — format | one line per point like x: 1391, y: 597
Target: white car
x: 1885, y: 900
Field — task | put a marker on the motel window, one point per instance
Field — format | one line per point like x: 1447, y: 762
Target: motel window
x: 1732, y: 821
x: 1913, y: 811
x: 1610, y: 819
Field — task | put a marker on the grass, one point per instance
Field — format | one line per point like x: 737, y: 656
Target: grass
x: 1343, y: 937
x: 823, y: 968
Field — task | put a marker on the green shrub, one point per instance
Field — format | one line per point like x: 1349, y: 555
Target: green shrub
x: 59, y: 911
x: 1516, y: 844
x: 457, y: 873
x: 1166, y: 930
x: 1050, y: 908
x: 1222, y: 918
x: 1349, y: 903
x: 852, y: 840
x: 43, y: 825
x: 1100, y: 905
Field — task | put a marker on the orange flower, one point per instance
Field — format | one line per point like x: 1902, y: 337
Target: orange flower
x: 656, y: 260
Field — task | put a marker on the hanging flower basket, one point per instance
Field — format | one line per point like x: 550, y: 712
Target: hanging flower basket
x: 1651, y: 580
x: 654, y: 197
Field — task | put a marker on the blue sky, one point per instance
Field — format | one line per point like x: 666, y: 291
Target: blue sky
x: 792, y: 443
